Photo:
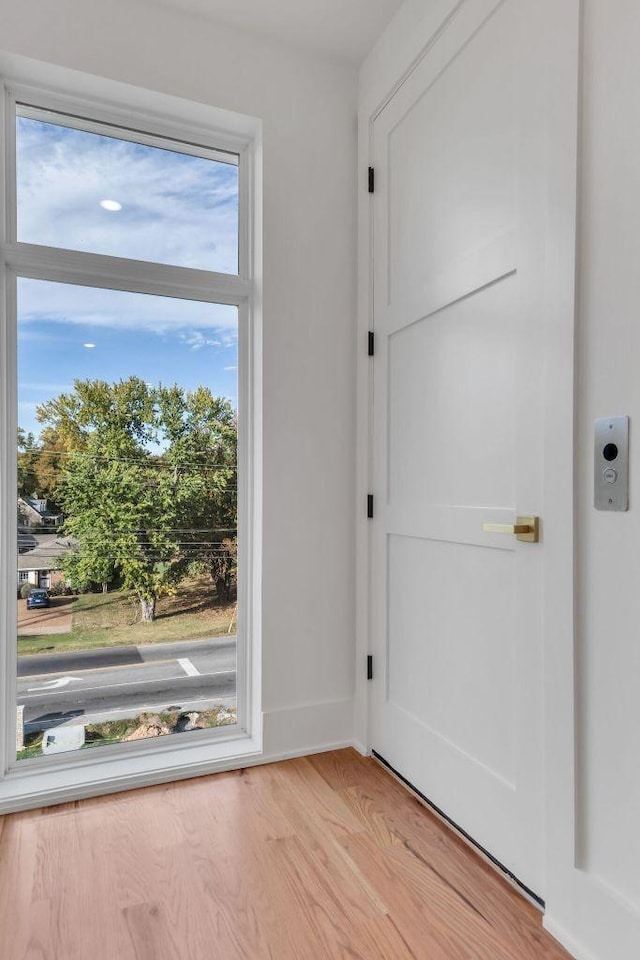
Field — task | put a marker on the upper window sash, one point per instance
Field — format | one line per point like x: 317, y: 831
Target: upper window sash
x: 128, y: 126
x: 126, y: 133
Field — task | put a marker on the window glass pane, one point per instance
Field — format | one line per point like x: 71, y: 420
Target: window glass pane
x: 81, y: 190
x: 127, y: 516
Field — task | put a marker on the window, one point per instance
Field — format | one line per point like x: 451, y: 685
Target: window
x: 91, y: 187
x: 128, y: 341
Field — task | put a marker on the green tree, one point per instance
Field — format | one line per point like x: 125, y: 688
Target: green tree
x: 28, y: 451
x: 40, y: 465
x: 52, y: 452
x: 149, y: 479
x: 222, y: 563
x: 202, y: 433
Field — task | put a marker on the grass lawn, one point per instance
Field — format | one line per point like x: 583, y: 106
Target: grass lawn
x: 113, y: 619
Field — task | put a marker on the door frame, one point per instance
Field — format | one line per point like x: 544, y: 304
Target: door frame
x: 381, y: 78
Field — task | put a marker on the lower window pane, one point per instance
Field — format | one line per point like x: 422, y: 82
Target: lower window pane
x: 127, y: 507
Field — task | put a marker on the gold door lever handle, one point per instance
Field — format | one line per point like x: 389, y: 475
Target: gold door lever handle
x: 526, y: 529
x: 506, y: 527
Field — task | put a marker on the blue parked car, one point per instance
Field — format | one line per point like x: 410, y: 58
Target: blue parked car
x: 38, y: 598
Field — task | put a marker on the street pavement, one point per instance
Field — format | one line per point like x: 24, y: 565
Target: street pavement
x: 111, y: 683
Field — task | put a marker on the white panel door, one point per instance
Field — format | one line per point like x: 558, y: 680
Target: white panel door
x: 463, y: 162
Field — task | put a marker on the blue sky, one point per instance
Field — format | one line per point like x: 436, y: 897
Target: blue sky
x: 69, y: 332
x: 174, y: 209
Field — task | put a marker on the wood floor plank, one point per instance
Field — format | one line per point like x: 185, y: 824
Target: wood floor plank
x: 313, y: 851
x: 151, y: 935
x: 17, y: 871
x: 410, y: 823
x: 249, y: 795
x: 235, y: 886
x: 40, y: 944
x: 342, y: 768
x: 312, y: 800
x: 418, y: 901
x: 321, y: 857
x: 229, y: 857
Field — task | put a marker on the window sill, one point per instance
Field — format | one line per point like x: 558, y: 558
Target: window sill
x: 45, y: 781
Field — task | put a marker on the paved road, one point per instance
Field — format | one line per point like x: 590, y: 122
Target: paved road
x: 117, y: 682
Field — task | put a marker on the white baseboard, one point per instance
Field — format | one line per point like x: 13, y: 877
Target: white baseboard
x: 559, y: 933
x: 310, y: 728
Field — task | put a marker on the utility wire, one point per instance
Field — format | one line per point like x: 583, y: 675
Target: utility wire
x: 167, y: 465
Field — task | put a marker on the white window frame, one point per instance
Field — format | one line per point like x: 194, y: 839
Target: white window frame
x: 45, y: 780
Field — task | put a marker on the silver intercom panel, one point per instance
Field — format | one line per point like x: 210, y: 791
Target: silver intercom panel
x: 612, y: 463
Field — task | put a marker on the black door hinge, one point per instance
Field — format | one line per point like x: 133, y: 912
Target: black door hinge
x: 372, y: 180
x: 370, y: 506
x: 372, y: 343
x: 369, y: 667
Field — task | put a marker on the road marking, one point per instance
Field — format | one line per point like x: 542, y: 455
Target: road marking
x: 188, y: 667
x: 114, y: 668
x: 52, y: 685
x: 205, y: 647
x: 114, y: 686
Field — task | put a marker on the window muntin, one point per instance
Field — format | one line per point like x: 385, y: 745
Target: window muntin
x: 101, y: 190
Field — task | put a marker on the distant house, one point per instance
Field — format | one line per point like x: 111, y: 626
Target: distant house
x: 34, y: 512
x: 26, y: 541
x: 40, y: 566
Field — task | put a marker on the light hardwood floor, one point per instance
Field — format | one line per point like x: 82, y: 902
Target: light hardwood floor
x: 326, y: 856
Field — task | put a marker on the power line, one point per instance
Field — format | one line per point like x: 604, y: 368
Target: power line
x: 147, y: 555
x: 173, y: 530
x: 152, y: 558
x: 103, y: 456
x: 150, y: 461
x: 183, y: 547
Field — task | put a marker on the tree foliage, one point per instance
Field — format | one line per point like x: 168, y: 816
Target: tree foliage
x: 148, y: 482
x: 27, y: 463
x: 40, y: 464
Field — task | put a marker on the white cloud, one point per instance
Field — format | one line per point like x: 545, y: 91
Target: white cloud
x: 175, y: 209
x: 65, y: 304
x: 197, y: 340
x: 230, y: 369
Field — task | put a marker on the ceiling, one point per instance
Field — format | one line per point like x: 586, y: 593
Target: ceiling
x: 340, y: 29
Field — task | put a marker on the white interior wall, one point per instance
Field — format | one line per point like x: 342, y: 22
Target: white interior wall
x: 610, y: 383
x: 593, y: 839
x: 596, y: 899
x: 307, y: 107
